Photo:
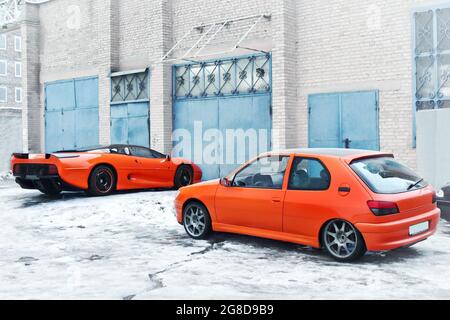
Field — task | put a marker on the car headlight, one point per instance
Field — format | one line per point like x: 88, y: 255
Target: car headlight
x: 440, y: 193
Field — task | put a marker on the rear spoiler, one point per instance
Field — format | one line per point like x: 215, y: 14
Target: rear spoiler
x: 381, y: 155
x: 27, y: 155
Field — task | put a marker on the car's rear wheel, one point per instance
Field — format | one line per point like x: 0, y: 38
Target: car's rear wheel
x: 196, y: 221
x: 101, y: 181
x: 184, y: 176
x: 343, y: 241
x: 49, y: 187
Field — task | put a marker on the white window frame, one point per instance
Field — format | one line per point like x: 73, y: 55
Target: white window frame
x: 15, y: 69
x: 6, y: 67
x: 15, y: 43
x: 15, y: 94
x: 3, y: 36
x: 6, y: 94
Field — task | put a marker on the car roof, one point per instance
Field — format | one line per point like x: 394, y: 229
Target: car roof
x: 348, y: 154
x: 99, y: 147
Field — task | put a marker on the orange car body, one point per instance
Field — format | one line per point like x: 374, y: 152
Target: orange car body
x: 298, y: 216
x: 133, y: 172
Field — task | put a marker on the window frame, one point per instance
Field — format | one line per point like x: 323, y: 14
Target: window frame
x: 3, y: 36
x: 6, y: 67
x: 6, y: 94
x: 17, y: 63
x: 15, y: 43
x: 256, y: 160
x: 289, y: 188
x: 144, y: 148
x: 15, y: 94
x: 434, y: 102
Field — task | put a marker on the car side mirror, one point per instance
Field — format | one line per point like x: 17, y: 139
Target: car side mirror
x: 225, y: 182
x: 168, y: 158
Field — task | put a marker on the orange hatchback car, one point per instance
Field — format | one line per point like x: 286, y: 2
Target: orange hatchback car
x: 345, y: 201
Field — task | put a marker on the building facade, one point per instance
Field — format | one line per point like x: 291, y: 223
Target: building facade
x: 308, y: 73
x: 10, y: 94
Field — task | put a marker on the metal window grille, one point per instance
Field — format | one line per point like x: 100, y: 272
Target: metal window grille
x: 130, y: 87
x: 432, y: 58
x: 226, y: 77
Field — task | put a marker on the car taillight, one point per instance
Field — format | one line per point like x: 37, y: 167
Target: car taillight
x: 17, y: 169
x: 52, y: 169
x: 383, y: 208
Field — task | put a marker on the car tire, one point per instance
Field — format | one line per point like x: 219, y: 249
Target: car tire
x: 49, y: 187
x: 197, y: 221
x: 342, y: 241
x: 184, y: 176
x: 102, y: 181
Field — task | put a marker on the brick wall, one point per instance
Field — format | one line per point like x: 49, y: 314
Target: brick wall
x: 318, y: 46
x: 359, y: 45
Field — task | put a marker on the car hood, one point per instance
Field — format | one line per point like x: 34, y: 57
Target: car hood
x: 215, y: 182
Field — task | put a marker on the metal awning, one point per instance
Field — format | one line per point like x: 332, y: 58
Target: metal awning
x: 195, y: 42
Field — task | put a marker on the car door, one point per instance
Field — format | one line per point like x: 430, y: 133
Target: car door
x: 255, y: 196
x: 153, y: 172
x: 307, y: 197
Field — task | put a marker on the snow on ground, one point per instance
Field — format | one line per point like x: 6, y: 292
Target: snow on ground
x: 129, y: 246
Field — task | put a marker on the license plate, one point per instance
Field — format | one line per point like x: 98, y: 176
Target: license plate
x: 419, y: 228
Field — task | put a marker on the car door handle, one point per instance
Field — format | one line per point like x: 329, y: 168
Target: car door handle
x: 276, y: 200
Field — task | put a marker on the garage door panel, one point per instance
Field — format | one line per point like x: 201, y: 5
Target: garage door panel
x: 324, y: 130
x: 86, y: 130
x: 60, y: 96
x: 361, y: 120
x: 245, y: 120
x: 220, y: 104
x: 138, y: 133
x: 130, y: 124
x: 71, y: 114
x: 341, y: 120
x: 119, y: 131
x: 194, y: 118
x: 86, y: 93
x: 54, y: 131
x: 68, y: 131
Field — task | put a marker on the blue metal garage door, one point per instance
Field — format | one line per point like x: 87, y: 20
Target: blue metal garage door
x: 71, y: 114
x: 231, y: 98
x: 344, y: 120
x: 130, y: 123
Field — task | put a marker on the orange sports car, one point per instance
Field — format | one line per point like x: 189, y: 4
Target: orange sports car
x: 102, y: 170
x: 345, y: 201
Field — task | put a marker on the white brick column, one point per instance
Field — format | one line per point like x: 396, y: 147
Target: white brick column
x: 161, y: 81
x: 32, y: 114
x: 284, y: 75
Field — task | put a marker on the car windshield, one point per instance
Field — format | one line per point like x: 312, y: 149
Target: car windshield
x: 384, y: 175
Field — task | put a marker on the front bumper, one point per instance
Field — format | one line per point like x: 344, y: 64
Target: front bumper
x: 395, y: 234
x: 179, y: 210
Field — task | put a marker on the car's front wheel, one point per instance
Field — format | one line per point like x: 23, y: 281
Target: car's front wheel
x: 343, y: 241
x: 196, y: 220
x: 101, y: 181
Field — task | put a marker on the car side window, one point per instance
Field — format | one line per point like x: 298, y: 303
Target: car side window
x: 264, y: 173
x: 309, y: 174
x: 157, y: 154
x: 141, y: 152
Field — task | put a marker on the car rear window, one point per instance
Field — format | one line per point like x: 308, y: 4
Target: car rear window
x: 386, y: 176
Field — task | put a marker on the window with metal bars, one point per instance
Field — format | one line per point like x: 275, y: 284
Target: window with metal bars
x: 227, y: 77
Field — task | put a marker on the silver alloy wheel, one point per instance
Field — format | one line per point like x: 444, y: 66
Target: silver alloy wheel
x: 195, y: 221
x: 340, y: 238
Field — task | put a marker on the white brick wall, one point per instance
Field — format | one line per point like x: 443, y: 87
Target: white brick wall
x: 318, y: 46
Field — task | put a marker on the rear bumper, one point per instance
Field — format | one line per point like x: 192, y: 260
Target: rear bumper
x: 395, y: 234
